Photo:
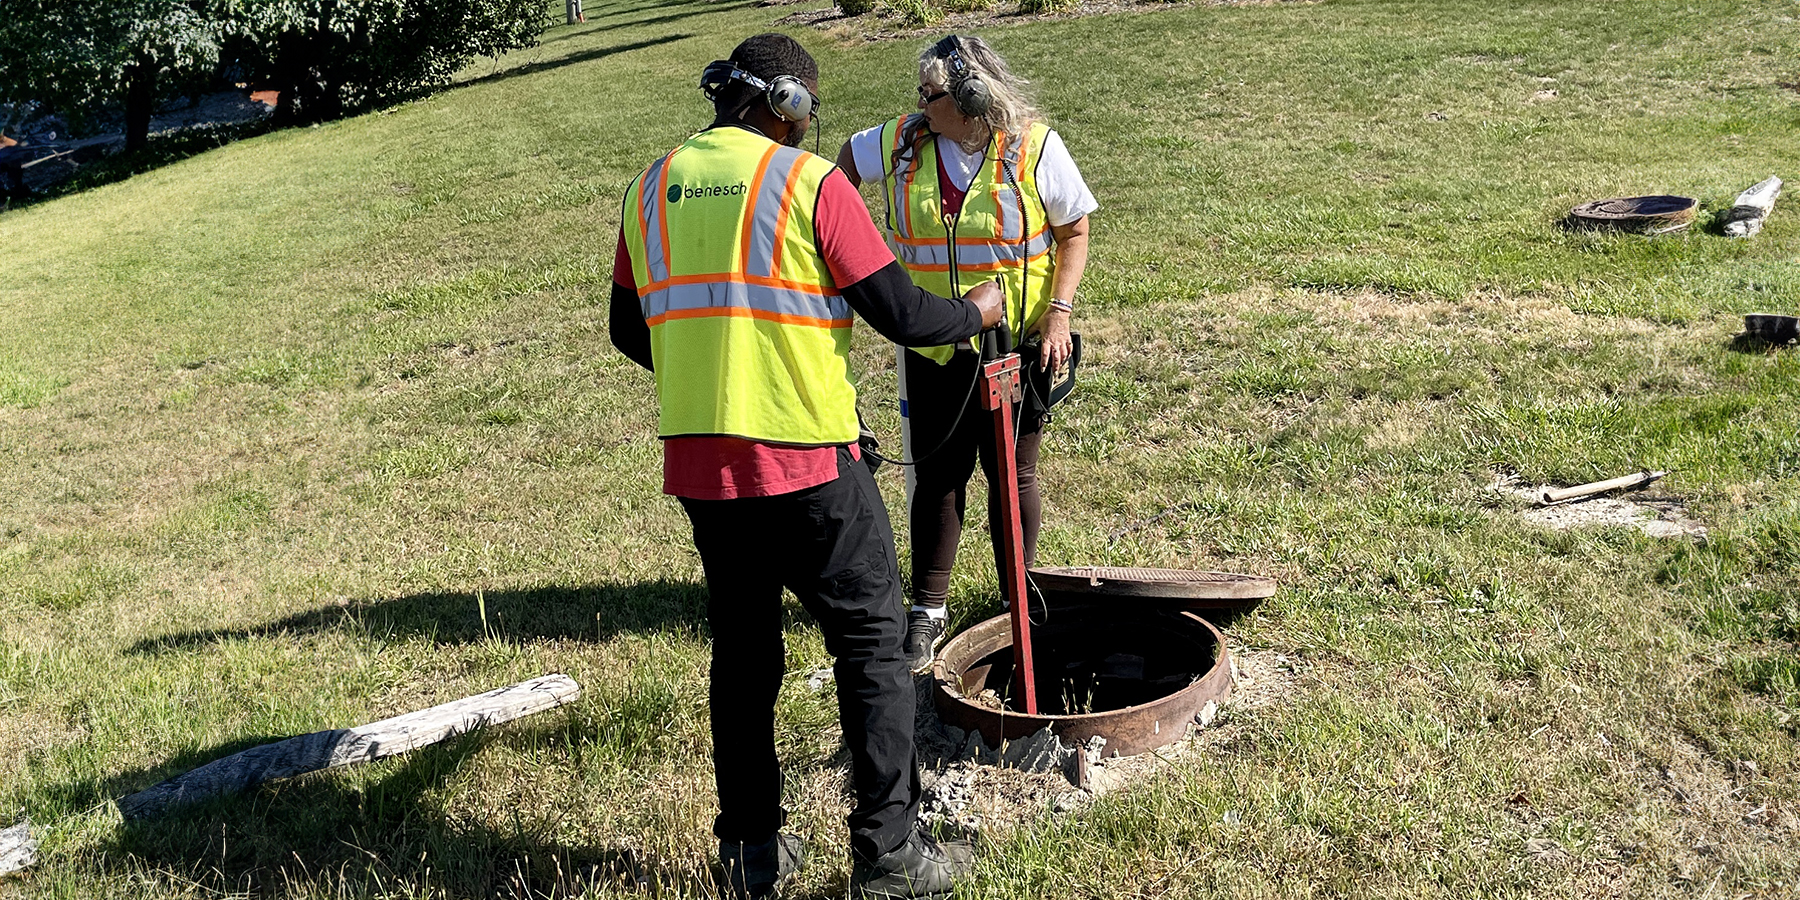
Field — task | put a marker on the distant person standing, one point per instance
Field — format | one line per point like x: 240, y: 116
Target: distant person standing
x: 975, y: 186
x: 740, y: 261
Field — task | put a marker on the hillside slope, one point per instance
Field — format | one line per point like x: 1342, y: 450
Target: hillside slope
x: 324, y: 426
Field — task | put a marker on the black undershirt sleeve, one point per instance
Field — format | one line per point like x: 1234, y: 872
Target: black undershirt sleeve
x: 906, y: 314
x: 626, y: 323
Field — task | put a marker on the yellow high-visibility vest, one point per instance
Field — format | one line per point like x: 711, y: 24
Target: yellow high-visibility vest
x: 987, y: 239
x: 748, y: 333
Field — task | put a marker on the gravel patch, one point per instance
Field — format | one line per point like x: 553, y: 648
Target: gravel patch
x: 1654, y: 514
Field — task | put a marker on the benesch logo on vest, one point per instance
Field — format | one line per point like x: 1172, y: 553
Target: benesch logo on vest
x: 677, y: 193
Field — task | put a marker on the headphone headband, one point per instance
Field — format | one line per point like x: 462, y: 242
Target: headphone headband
x: 971, y: 93
x: 787, y: 96
x: 950, y: 51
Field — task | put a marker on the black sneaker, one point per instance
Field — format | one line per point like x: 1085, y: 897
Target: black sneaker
x: 923, y: 635
x: 921, y: 867
x: 756, y: 871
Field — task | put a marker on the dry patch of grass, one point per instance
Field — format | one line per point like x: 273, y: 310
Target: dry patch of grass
x: 905, y: 19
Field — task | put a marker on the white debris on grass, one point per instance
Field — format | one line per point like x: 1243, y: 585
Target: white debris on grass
x: 1746, y: 216
x: 1654, y: 516
x: 18, y: 849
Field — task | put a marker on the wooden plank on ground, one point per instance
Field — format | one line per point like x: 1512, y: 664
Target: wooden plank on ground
x: 1753, y: 206
x: 344, y: 746
x: 18, y: 848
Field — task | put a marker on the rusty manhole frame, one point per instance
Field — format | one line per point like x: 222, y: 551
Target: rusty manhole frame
x: 1128, y: 731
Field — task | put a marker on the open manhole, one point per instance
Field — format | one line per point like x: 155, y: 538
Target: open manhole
x: 1208, y: 593
x: 1137, y: 676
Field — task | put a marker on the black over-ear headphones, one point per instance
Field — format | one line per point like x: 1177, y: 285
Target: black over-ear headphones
x: 966, y: 86
x: 787, y: 96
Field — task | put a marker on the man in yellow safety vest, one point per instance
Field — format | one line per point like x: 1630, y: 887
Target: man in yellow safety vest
x: 740, y: 261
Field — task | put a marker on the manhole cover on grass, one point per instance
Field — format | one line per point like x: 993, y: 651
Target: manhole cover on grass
x: 1139, y: 582
x: 1653, y: 214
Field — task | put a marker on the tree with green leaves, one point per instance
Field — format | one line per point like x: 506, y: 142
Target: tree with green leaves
x: 332, y: 57
x: 86, y: 61
x: 328, y: 58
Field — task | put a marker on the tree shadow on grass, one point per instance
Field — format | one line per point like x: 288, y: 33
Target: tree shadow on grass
x: 598, y: 24
x: 569, y: 60
x: 327, y: 833
x: 597, y: 611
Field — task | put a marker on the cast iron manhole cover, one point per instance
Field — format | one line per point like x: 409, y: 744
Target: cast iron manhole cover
x: 1652, y: 214
x: 1137, y: 582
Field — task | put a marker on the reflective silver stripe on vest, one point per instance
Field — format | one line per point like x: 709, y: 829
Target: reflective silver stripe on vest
x: 765, y: 210
x: 901, y: 213
x: 1012, y: 216
x: 656, y: 257
x: 1009, y: 194
x: 780, y: 301
x: 890, y: 181
x: 937, y: 253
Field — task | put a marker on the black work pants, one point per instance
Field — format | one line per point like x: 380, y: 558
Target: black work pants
x: 832, y: 546
x: 934, y: 396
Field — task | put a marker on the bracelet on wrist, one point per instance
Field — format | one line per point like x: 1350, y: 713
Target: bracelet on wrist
x: 1063, y: 305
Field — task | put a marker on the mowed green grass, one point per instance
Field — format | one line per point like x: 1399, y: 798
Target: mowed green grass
x: 324, y: 426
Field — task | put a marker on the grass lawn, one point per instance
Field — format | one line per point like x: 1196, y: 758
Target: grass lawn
x: 324, y: 426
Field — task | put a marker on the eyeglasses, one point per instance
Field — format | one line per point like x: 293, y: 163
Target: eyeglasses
x: 927, y: 95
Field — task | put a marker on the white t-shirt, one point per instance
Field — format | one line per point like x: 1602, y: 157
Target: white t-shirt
x: 1066, y: 196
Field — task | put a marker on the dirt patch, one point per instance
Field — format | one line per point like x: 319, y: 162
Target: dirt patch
x: 886, y: 25
x: 1653, y: 514
x: 1373, y: 307
x: 1727, y: 810
x: 27, y: 732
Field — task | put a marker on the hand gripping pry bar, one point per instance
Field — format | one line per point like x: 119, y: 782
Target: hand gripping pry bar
x: 1001, y: 394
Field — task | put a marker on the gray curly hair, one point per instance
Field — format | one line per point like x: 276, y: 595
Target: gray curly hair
x: 1012, y: 111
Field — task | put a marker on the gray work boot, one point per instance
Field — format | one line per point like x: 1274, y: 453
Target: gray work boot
x: 923, y: 635
x: 920, y: 867
x: 756, y: 871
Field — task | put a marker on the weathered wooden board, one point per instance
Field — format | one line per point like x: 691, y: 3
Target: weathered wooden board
x: 1634, y: 480
x: 18, y: 848
x: 344, y: 746
x: 1752, y: 207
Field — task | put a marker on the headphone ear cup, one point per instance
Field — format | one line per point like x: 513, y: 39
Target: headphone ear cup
x: 789, y: 99
x: 972, y: 97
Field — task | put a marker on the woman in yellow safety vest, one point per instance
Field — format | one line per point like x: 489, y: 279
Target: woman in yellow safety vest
x: 975, y: 187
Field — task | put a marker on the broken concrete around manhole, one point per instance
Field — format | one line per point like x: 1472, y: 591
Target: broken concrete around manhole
x: 1656, y: 516
x: 973, y: 788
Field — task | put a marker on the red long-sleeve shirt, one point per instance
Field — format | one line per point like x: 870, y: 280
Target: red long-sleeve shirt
x: 724, y: 468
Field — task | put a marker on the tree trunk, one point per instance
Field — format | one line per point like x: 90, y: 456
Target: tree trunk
x: 289, y: 50
x: 140, y: 102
